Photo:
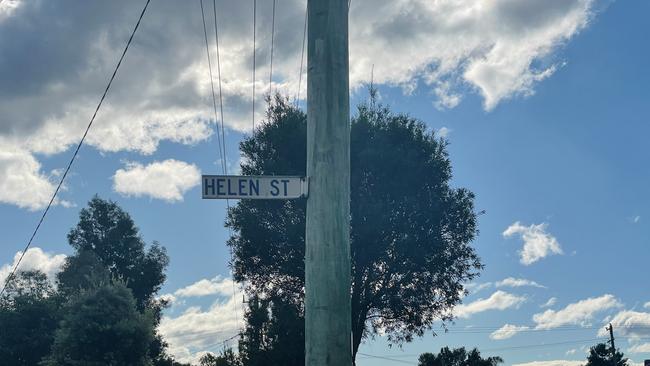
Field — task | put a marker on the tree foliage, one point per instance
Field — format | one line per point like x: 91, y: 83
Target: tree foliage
x: 226, y: 358
x: 106, y: 289
x: 457, y: 357
x: 103, y: 326
x: 28, y: 319
x: 272, y: 325
x: 108, y: 247
x: 602, y: 355
x: 410, y: 230
x: 107, y: 235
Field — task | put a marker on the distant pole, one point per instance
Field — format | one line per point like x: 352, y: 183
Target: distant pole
x: 611, y: 337
x: 327, y: 260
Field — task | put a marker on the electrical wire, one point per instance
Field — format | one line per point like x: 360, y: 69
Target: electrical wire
x: 254, y: 51
x: 272, y: 41
x: 386, y: 358
x: 222, y: 147
x: 76, y: 152
x: 214, y: 98
x: 216, y: 36
x: 511, y: 348
x: 302, y: 56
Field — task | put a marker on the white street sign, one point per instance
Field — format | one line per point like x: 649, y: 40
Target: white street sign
x: 253, y: 187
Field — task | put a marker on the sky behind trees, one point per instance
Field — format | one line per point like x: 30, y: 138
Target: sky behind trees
x: 544, y: 104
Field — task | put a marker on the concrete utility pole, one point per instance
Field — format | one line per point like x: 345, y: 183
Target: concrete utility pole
x: 327, y: 261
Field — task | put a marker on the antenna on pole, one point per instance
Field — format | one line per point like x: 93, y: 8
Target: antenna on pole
x: 611, y: 338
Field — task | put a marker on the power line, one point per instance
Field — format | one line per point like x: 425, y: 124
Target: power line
x: 302, y: 57
x: 511, y: 348
x: 216, y: 36
x: 214, y: 98
x: 542, y: 345
x: 254, y: 51
x: 224, y: 159
x: 272, y: 40
x: 76, y: 152
x: 386, y: 358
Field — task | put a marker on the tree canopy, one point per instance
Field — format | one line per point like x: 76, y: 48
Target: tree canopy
x: 103, y: 327
x: 107, y: 237
x: 29, y: 316
x: 602, y: 355
x: 103, y: 309
x: 410, y: 230
x: 457, y: 357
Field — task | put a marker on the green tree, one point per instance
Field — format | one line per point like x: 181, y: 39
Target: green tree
x: 107, y: 235
x: 410, y: 230
x: 29, y: 315
x: 108, y: 247
x: 253, y: 343
x: 226, y: 358
x: 602, y: 355
x: 103, y: 326
x: 457, y: 357
x: 272, y: 325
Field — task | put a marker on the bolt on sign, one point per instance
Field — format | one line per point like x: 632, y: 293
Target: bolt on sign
x: 254, y: 187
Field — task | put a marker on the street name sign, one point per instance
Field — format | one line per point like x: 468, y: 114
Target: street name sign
x: 254, y: 187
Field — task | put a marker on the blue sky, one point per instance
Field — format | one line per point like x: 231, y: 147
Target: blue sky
x: 555, y: 150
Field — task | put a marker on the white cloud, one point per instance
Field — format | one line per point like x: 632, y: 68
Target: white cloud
x: 476, y: 287
x: 636, y: 219
x: 500, y: 300
x: 507, y: 331
x: 196, y: 330
x: 499, y: 49
x: 35, y: 259
x: 538, y: 243
x: 629, y: 323
x: 444, y: 132
x: 647, y: 305
x: 639, y: 348
x: 166, y: 180
x: 22, y: 183
x: 551, y: 363
x: 632, y: 363
x: 579, y: 313
x: 518, y: 282
x: 205, y: 287
x: 446, y: 98
x: 492, y: 46
x: 549, y: 303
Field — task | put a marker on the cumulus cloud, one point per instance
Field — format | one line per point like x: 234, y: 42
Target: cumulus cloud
x: 500, y: 300
x: 166, y: 180
x: 35, y: 259
x: 444, y: 132
x: 538, y: 243
x: 499, y: 49
x: 639, y: 348
x: 205, y: 287
x: 630, y: 323
x: 476, y: 287
x: 518, y: 282
x: 22, y: 182
x: 198, y: 330
x: 507, y: 331
x: 647, y: 305
x: 551, y: 363
x: 550, y: 302
x: 580, y: 313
